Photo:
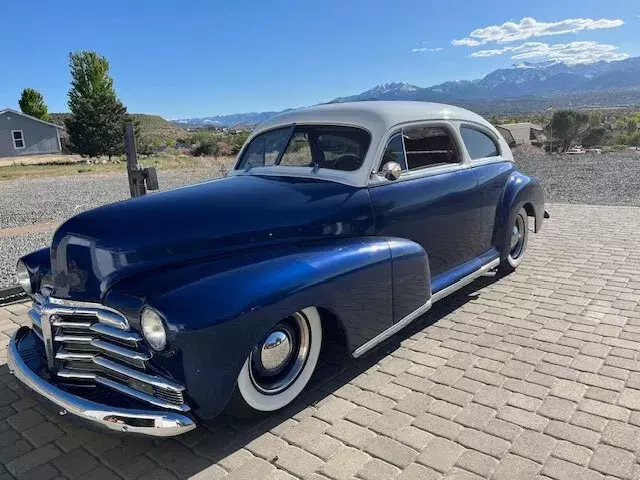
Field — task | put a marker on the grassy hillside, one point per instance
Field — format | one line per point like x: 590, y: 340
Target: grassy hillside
x: 149, y: 127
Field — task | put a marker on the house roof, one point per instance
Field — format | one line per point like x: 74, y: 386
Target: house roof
x: 521, y: 125
x: 30, y: 117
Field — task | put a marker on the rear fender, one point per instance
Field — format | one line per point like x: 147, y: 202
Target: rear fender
x: 215, y: 318
x: 519, y: 191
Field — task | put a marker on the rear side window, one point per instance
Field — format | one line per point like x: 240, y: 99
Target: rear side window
x: 428, y: 146
x: 479, y: 144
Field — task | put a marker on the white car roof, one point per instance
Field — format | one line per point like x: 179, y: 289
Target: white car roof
x: 374, y: 116
x: 378, y: 117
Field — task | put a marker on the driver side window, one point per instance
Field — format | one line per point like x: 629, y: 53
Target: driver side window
x: 298, y: 152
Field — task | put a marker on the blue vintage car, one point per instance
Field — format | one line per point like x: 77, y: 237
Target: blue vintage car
x: 153, y: 313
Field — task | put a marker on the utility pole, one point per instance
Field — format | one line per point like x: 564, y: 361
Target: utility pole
x: 140, y: 179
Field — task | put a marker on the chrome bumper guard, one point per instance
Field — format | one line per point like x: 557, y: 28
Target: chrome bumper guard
x: 147, y: 422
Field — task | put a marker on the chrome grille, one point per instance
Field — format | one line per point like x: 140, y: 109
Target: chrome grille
x: 90, y: 344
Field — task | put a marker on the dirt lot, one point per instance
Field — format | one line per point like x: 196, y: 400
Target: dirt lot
x: 593, y: 180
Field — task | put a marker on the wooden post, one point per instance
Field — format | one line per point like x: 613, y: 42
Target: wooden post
x: 134, y: 171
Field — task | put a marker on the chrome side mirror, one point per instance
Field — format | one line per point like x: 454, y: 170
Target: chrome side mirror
x: 391, y: 170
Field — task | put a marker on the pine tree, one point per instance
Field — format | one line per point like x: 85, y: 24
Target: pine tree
x: 96, y: 126
x: 32, y: 103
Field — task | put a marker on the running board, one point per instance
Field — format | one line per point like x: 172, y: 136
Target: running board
x: 396, y: 327
x: 464, y: 281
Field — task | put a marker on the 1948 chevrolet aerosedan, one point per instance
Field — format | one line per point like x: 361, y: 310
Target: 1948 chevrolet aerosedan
x: 152, y: 313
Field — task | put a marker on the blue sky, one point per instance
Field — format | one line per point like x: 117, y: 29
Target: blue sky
x: 196, y: 58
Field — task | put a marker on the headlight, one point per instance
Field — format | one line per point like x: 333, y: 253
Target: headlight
x: 23, y: 277
x: 153, y: 329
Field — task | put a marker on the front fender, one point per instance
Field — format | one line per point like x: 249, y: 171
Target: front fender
x: 519, y: 191
x: 38, y: 263
x: 217, y: 311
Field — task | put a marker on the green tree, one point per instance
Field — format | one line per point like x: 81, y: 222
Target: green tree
x: 594, y: 136
x: 237, y: 142
x: 96, y: 126
x: 568, y: 125
x: 32, y: 103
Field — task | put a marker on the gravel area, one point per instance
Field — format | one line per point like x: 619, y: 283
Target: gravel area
x: 593, y: 180
x: 586, y: 179
x: 12, y: 248
x: 28, y: 201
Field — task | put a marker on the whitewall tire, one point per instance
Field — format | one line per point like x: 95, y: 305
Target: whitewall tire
x: 278, y: 369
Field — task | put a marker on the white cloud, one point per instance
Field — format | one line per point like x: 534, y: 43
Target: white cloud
x: 466, y: 42
x: 569, y: 53
x: 424, y: 49
x: 529, y: 27
x: 491, y: 53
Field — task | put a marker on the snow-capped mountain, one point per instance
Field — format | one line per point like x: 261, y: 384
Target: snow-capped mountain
x: 523, y: 79
x: 388, y: 91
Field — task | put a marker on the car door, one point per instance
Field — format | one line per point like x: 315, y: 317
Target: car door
x: 433, y: 201
x: 492, y: 171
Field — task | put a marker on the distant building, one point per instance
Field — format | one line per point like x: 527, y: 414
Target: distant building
x: 22, y: 134
x: 525, y: 133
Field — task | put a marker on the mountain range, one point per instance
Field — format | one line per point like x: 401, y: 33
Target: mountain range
x: 516, y: 89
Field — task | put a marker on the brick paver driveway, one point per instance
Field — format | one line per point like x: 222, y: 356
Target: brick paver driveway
x: 534, y: 375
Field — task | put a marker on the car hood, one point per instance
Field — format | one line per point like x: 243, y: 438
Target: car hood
x: 93, y: 250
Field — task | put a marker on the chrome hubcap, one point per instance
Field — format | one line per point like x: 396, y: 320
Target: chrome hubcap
x: 276, y: 362
x: 276, y: 350
x: 517, y: 237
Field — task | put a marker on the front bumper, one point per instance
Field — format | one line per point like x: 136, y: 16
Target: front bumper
x: 148, y: 422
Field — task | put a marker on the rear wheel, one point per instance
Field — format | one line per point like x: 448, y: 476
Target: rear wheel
x: 517, y: 242
x: 280, y: 366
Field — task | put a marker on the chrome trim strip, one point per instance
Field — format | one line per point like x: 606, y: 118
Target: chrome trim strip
x: 64, y: 355
x: 393, y: 329
x: 79, y: 325
x: 463, y: 282
x: 158, y: 402
x: 39, y: 334
x: 47, y: 336
x: 35, y: 318
x: 424, y: 308
x: 126, y: 336
x: 72, y: 339
x: 161, y: 424
x: 77, y: 374
x: 120, y: 351
x: 104, y: 314
x: 140, y: 376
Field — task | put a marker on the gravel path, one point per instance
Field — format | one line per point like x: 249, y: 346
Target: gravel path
x: 593, y: 180
x: 31, y: 201
x: 28, y: 201
x: 586, y: 179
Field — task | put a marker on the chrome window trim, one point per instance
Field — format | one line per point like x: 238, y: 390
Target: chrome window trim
x: 487, y: 132
x: 375, y: 180
x: 351, y: 178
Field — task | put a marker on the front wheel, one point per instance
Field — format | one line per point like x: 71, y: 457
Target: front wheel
x: 517, y: 242
x: 280, y: 366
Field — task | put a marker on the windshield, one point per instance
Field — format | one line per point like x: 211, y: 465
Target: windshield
x: 321, y: 146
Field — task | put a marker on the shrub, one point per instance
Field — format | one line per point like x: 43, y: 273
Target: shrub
x: 207, y: 147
